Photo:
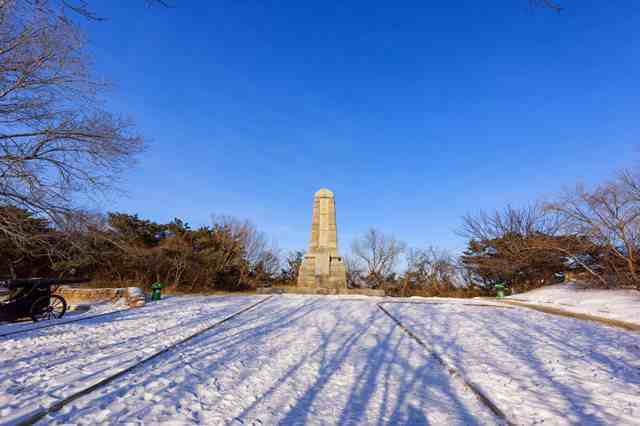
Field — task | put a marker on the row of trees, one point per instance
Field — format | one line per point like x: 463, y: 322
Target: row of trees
x: 57, y: 142
x: 378, y: 260
x: 592, y: 233
x: 121, y: 249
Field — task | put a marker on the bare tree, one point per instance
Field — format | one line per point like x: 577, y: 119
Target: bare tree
x: 547, y: 4
x: 355, y: 272
x: 431, y: 265
x: 379, y: 253
x: 56, y: 140
x: 261, y: 254
x: 629, y: 182
x: 523, y: 246
x: 83, y: 8
x: 291, y: 267
x: 526, y: 221
x: 609, y: 217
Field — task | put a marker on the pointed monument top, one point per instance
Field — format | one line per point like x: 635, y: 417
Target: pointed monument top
x: 324, y: 192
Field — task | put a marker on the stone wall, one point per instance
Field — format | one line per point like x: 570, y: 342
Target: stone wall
x: 321, y: 291
x: 131, y: 296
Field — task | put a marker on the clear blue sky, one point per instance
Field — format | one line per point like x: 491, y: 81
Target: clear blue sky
x: 412, y: 112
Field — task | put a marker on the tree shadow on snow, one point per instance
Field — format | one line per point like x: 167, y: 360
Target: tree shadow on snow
x: 337, y: 362
x: 517, y: 350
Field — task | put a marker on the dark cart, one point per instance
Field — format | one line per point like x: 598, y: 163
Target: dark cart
x: 33, y: 298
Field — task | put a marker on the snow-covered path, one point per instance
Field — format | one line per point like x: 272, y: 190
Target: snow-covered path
x: 323, y: 360
x: 620, y: 304
x: 44, y: 366
x: 536, y: 367
x: 292, y: 360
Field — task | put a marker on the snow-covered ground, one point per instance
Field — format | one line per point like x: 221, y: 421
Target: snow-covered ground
x: 43, y: 366
x: 536, y: 367
x: 623, y: 305
x: 292, y: 360
x: 73, y: 314
x: 323, y: 360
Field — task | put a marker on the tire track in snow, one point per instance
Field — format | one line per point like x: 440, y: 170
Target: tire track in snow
x: 538, y: 366
x: 482, y: 397
x: 40, y: 414
x: 294, y: 360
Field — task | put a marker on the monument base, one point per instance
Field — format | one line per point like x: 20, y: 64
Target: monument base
x: 322, y: 270
x: 321, y: 291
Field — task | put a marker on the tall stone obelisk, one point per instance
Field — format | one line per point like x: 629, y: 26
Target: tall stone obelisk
x: 322, y: 266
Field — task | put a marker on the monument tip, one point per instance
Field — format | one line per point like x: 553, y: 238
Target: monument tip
x: 324, y: 192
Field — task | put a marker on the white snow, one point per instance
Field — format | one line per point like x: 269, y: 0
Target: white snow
x: 298, y: 359
x: 623, y: 305
x: 73, y: 313
x: 537, y: 368
x: 46, y: 365
x: 291, y: 360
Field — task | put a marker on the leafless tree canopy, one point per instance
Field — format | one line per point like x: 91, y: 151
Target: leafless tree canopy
x: 525, y: 221
x: 83, y: 8
x: 379, y: 253
x: 56, y: 140
x: 522, y: 246
x: 592, y: 233
x: 431, y: 266
x: 256, y: 248
x: 546, y: 3
x: 356, y: 274
x: 608, y: 217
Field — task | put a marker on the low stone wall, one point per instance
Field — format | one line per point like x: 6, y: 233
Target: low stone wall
x: 132, y: 296
x: 321, y: 291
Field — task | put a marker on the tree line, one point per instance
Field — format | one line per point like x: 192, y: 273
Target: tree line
x: 59, y: 144
x: 381, y: 261
x: 592, y: 235
x: 120, y: 249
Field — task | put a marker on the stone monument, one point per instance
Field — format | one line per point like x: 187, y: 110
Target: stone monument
x: 322, y: 266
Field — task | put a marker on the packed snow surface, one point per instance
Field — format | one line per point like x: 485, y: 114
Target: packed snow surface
x: 323, y: 360
x: 623, y: 305
x: 291, y: 360
x: 42, y: 366
x: 536, y: 367
x: 73, y: 313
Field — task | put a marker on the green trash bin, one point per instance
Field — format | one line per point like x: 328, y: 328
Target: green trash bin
x: 156, y: 291
x: 499, y: 290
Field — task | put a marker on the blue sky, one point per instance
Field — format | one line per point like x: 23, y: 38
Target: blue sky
x: 413, y: 112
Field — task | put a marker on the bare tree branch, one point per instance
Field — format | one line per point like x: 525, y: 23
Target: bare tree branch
x: 55, y: 138
x: 379, y: 252
x: 546, y: 3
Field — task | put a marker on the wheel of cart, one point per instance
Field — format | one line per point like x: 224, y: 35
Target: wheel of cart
x: 48, y: 308
x: 33, y: 297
